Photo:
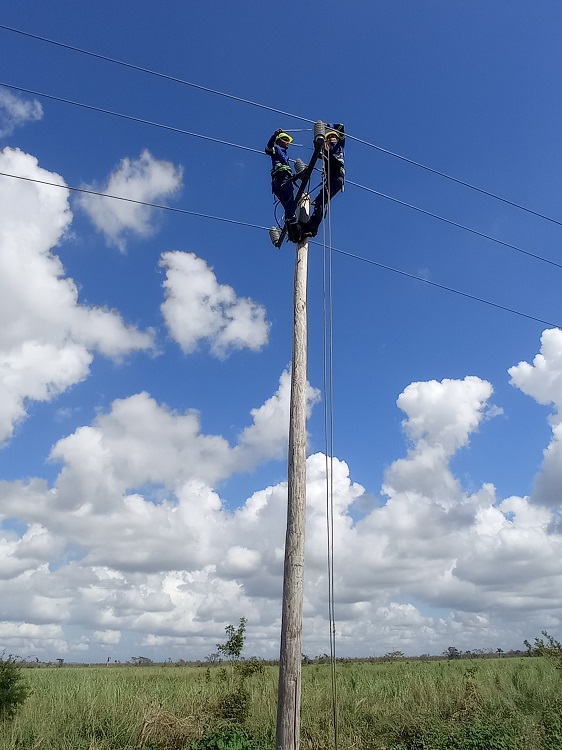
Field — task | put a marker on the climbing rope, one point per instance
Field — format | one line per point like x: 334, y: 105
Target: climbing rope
x: 329, y: 429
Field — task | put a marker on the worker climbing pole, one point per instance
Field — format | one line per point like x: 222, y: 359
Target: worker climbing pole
x: 282, y: 180
x: 329, y: 147
x: 333, y: 181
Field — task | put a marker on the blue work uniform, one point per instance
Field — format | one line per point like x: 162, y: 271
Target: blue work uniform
x: 282, y: 185
x: 334, y: 169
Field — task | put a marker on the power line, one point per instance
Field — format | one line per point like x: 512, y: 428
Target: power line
x: 156, y: 73
x: 129, y: 117
x: 456, y: 224
x: 445, y: 288
x: 258, y: 226
x: 455, y: 179
x: 261, y: 152
x: 132, y: 200
x: 252, y: 103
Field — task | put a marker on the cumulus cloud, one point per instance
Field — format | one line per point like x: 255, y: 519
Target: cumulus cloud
x: 444, y: 413
x: 268, y: 434
x: 440, y: 418
x: 16, y: 111
x: 107, y: 637
x: 140, y: 442
x: 197, y: 307
x: 145, y: 179
x: 47, y: 338
x: 542, y: 380
x: 112, y: 551
x: 134, y: 545
x: 473, y: 553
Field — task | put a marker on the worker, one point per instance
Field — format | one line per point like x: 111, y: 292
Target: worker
x: 334, y: 175
x: 282, y: 183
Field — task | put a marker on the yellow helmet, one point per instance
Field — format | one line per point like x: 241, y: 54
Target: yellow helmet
x: 332, y: 132
x: 284, y: 137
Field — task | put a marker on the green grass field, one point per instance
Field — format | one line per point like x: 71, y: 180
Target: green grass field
x: 485, y: 704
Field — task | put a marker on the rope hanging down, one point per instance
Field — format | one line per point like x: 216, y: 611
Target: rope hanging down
x: 329, y: 433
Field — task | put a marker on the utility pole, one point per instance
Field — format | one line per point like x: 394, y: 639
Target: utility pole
x: 290, y: 658
x: 289, y: 697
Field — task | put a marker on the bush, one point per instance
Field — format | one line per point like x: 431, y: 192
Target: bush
x: 234, y: 706
x: 247, y: 668
x: 233, y: 739
x: 13, y: 689
x: 548, y: 647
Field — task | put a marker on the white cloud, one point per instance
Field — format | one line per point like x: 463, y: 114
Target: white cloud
x: 543, y: 381
x: 31, y: 641
x: 145, y: 179
x: 440, y: 418
x: 107, y: 637
x: 16, y: 111
x: 47, y: 339
x: 113, y: 552
x: 267, y: 436
x: 141, y: 442
x: 444, y: 413
x: 134, y: 545
x: 198, y: 308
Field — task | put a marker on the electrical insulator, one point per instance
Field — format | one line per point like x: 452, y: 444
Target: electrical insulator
x: 300, y: 166
x: 319, y: 131
x: 275, y: 235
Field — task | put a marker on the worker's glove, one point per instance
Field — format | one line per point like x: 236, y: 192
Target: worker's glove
x: 279, y: 130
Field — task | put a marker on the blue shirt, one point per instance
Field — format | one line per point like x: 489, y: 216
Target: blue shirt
x: 279, y: 156
x: 337, y: 158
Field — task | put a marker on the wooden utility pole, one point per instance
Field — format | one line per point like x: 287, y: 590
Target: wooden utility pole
x: 290, y: 657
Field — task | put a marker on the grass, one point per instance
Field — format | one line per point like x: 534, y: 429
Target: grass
x: 488, y: 704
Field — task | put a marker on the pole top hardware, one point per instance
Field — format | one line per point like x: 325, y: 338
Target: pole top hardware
x: 319, y: 131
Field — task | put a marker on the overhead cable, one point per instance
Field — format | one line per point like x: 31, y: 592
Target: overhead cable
x: 252, y: 103
x: 446, y: 288
x: 456, y: 179
x: 156, y: 73
x: 261, y: 152
x: 129, y: 117
x: 132, y: 200
x: 258, y: 226
x: 456, y: 224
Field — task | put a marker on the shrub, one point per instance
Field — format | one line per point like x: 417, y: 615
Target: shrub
x: 234, y: 644
x: 162, y: 729
x: 233, y: 739
x: 234, y: 706
x: 13, y: 689
x: 548, y: 647
x: 247, y: 668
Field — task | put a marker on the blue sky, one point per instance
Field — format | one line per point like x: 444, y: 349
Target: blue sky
x: 143, y: 355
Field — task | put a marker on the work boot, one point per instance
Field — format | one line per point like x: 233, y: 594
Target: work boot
x: 293, y: 231
x: 310, y: 229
